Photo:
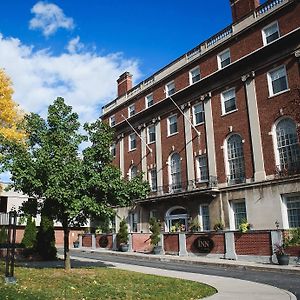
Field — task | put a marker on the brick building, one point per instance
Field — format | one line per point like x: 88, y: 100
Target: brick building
x: 215, y: 131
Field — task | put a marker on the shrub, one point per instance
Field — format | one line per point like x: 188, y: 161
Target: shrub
x: 29, y: 238
x: 155, y: 231
x: 46, y: 239
x: 122, y: 235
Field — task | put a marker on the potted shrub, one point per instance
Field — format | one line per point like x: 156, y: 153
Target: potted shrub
x: 122, y: 236
x: 155, y: 235
x: 194, y: 225
x: 219, y: 226
x: 244, y: 226
x: 279, y: 251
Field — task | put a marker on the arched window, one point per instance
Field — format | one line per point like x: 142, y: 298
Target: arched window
x: 288, y: 149
x: 176, y: 219
x: 235, y: 158
x: 132, y: 172
x: 175, y: 172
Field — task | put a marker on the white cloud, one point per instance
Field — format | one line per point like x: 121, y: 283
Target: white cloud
x: 86, y: 80
x: 48, y: 17
x: 75, y: 45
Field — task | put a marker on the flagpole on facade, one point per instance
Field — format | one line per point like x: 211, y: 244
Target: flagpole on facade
x: 137, y: 134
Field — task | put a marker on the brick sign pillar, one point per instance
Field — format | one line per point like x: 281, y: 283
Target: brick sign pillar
x: 230, y: 246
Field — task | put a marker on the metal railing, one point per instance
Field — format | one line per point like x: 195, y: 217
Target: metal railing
x: 185, y: 186
x: 288, y: 169
x: 219, y: 36
x: 236, y: 179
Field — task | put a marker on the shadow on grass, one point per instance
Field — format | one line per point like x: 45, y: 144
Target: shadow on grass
x: 59, y: 264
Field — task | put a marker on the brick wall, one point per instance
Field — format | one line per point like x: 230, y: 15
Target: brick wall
x: 254, y: 243
x: 87, y: 240
x: 216, y: 238
x: 171, y: 243
x: 141, y: 242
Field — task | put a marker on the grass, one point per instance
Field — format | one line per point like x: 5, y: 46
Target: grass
x: 98, y: 283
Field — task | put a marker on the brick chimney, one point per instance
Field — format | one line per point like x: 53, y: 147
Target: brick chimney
x: 124, y: 83
x: 241, y: 8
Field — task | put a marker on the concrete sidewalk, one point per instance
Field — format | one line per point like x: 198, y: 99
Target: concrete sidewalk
x: 201, y: 260
x: 228, y: 288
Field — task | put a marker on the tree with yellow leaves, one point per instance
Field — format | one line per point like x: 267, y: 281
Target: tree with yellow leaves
x: 10, y: 114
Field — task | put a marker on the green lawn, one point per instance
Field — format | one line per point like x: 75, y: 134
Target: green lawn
x: 98, y: 283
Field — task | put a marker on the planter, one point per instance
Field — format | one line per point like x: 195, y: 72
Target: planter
x: 157, y: 249
x: 76, y: 244
x: 124, y: 247
x: 283, y: 259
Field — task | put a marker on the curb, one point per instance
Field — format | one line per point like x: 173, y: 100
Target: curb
x: 193, y: 261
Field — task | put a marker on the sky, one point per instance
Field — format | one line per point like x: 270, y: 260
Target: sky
x: 77, y: 49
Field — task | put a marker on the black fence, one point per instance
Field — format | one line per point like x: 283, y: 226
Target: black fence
x: 8, y: 222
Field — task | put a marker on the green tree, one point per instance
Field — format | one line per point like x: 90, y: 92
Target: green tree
x: 29, y: 238
x: 73, y: 187
x: 46, y: 239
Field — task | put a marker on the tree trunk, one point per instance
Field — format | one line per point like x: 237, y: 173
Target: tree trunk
x: 67, y: 258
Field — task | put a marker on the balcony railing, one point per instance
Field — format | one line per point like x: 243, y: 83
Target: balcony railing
x: 268, y: 6
x: 288, y: 169
x: 236, y: 179
x: 185, y: 186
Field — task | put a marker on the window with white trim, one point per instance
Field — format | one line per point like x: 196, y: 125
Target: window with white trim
x: 270, y: 33
x: 202, y: 172
x: 133, y: 221
x: 149, y: 100
x: 133, y: 172
x: 204, y: 217
x: 175, y: 172
x: 288, y: 148
x: 113, y: 150
x: 151, y: 134
x: 170, y: 88
x: 194, y: 75
x: 112, y: 121
x: 131, y: 110
x: 293, y: 211
x: 153, y: 180
x: 228, y: 100
x: 172, y: 125
x: 224, y: 59
x: 239, y: 212
x: 132, y: 141
x: 277, y: 80
x: 235, y: 159
x: 198, y: 113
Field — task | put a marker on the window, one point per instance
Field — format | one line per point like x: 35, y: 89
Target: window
x: 149, y: 100
x: 202, y: 174
x: 224, y: 59
x: 288, y: 148
x: 239, y: 212
x: 235, y: 156
x: 3, y: 204
x: 228, y: 101
x: 132, y: 141
x: 204, y: 217
x: 170, y: 89
x: 293, y: 211
x: 131, y: 110
x: 172, y: 125
x: 132, y: 172
x: 153, y: 180
x: 112, y: 121
x: 176, y: 219
x: 151, y: 134
x: 153, y: 214
x: 194, y: 75
x: 198, y: 113
x: 270, y: 33
x: 175, y: 172
x: 133, y: 218
x: 277, y: 80
x: 113, y: 150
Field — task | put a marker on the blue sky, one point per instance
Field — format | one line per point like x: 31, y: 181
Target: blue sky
x: 100, y: 37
